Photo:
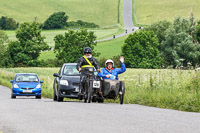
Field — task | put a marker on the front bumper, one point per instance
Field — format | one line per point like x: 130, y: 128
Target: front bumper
x: 21, y: 92
x: 69, y: 91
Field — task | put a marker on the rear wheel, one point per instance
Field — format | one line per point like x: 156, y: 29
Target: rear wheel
x: 38, y: 97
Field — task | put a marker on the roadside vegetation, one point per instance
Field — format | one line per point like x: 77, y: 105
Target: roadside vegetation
x: 164, y: 88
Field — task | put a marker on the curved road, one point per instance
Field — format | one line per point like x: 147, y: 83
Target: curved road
x: 128, y: 21
x: 29, y: 115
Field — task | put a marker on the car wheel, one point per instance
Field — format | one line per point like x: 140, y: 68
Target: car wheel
x: 13, y: 96
x: 54, y: 95
x: 38, y: 97
x: 59, y: 98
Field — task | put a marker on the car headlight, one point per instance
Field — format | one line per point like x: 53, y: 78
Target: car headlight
x: 15, y: 86
x: 38, y: 86
x: 64, y: 82
x: 91, y: 69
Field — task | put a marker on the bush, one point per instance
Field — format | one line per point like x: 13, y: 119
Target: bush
x: 8, y: 23
x: 82, y: 24
x: 141, y: 50
x: 57, y: 20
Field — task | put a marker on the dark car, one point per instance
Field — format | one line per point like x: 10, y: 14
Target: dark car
x: 66, y: 82
x: 26, y: 84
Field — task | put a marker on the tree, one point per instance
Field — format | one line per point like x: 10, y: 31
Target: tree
x: 4, y: 56
x: 180, y: 44
x: 69, y: 47
x: 57, y: 20
x: 141, y: 50
x: 159, y: 28
x: 28, y: 46
x: 8, y: 23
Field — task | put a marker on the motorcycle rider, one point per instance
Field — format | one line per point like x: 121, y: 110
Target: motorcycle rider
x: 110, y: 72
x: 86, y: 61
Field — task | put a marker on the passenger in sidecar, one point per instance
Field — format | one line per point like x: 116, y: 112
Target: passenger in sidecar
x: 111, y: 86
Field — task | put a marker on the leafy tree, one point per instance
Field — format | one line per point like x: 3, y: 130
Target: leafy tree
x: 141, y: 50
x: 30, y: 43
x: 4, y: 56
x: 180, y: 43
x: 56, y: 21
x: 159, y: 28
x: 69, y: 47
x: 8, y: 23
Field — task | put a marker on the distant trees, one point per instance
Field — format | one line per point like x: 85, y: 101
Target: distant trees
x: 69, y: 47
x: 25, y: 51
x: 8, y: 23
x: 57, y: 20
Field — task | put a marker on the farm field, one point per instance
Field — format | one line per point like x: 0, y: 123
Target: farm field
x: 103, y: 12
x: 50, y: 34
x: 147, y: 12
x: 165, y: 88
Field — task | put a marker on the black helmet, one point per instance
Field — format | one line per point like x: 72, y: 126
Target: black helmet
x: 87, y: 50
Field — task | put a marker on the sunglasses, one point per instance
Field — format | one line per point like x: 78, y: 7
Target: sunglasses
x: 88, y: 53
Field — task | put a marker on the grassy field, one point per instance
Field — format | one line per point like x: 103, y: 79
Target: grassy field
x: 101, y: 12
x: 50, y: 34
x: 164, y: 88
x: 149, y: 11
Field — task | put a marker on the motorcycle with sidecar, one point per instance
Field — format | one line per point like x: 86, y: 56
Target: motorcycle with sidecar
x: 96, y: 90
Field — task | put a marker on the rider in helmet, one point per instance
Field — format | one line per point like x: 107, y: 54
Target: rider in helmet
x: 86, y: 61
x: 110, y: 72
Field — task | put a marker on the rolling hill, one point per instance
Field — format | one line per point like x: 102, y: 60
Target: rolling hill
x: 100, y: 12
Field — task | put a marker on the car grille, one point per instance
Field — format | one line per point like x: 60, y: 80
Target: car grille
x: 75, y: 84
x: 27, y: 88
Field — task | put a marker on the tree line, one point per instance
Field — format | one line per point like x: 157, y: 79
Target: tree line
x: 57, y: 20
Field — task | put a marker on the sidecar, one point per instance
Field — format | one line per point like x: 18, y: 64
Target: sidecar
x: 111, y: 89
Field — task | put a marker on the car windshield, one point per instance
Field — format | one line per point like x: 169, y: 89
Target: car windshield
x: 70, y: 70
x: 26, y: 78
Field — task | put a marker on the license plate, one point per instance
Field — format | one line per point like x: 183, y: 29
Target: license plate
x: 27, y: 91
x: 96, y: 84
x: 76, y: 90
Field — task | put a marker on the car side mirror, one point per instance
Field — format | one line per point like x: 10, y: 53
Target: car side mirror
x: 11, y: 81
x: 41, y: 81
x: 56, y: 75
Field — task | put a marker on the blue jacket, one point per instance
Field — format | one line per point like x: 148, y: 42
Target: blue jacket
x: 114, y: 72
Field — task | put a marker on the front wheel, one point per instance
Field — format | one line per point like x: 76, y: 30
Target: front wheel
x: 38, y: 97
x: 13, y: 96
x: 90, y: 91
x: 54, y: 95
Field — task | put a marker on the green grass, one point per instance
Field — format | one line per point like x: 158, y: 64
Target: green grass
x: 110, y: 48
x: 148, y: 12
x: 50, y: 34
x: 100, y: 12
x: 164, y: 88
x: 47, y: 55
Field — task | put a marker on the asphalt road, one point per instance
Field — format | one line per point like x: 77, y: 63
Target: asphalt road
x: 128, y: 21
x: 29, y: 115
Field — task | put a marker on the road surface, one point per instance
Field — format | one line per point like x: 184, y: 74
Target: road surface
x: 128, y: 21
x: 29, y: 115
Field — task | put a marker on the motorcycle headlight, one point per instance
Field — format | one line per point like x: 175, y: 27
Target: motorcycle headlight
x: 15, y: 86
x: 38, y: 86
x: 64, y: 82
x: 91, y: 69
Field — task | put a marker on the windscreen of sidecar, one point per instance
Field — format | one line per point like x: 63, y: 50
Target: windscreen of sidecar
x: 70, y: 70
x: 26, y: 78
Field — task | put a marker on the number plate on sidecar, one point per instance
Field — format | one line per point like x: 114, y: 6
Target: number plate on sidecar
x: 96, y: 84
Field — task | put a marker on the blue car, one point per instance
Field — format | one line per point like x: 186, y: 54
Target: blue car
x: 26, y: 84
